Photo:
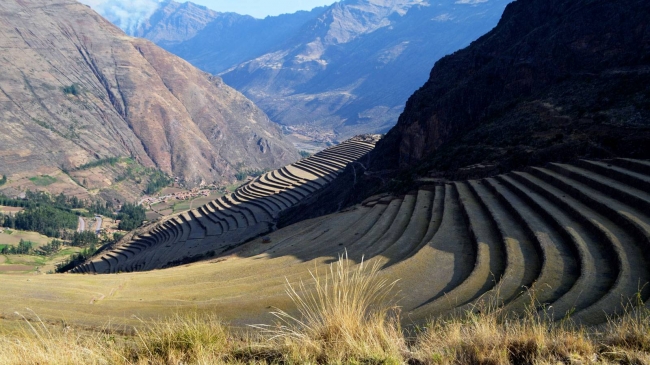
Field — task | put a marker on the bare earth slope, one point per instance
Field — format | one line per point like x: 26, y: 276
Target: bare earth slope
x: 130, y: 98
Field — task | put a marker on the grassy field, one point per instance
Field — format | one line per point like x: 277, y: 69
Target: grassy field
x: 43, y: 180
x: 25, y: 264
x: 13, y: 237
x: 346, y: 316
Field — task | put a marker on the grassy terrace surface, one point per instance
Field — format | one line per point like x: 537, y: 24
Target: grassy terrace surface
x: 346, y: 314
x: 576, y: 235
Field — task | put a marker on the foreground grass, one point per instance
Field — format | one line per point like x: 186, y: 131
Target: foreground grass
x: 346, y: 316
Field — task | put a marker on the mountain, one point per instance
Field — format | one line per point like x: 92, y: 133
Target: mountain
x: 335, y: 71
x: 216, y: 41
x: 555, y: 81
x: 173, y: 23
x: 75, y: 89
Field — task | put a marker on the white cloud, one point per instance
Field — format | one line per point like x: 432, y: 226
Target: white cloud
x: 126, y: 14
x: 443, y: 18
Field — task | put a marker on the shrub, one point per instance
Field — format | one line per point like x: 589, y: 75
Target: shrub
x: 305, y: 154
x: 347, y: 316
x: 73, y: 89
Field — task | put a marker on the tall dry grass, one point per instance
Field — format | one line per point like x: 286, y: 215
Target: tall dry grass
x: 345, y: 316
x: 38, y: 344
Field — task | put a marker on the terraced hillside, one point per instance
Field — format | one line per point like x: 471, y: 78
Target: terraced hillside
x: 231, y: 220
x: 576, y: 235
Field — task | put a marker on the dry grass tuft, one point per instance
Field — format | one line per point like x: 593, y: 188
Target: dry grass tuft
x: 182, y: 339
x: 40, y: 344
x: 487, y: 339
x: 626, y: 340
x: 346, y: 316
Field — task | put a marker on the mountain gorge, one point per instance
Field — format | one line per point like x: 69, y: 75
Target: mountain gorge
x: 75, y: 89
x: 335, y: 71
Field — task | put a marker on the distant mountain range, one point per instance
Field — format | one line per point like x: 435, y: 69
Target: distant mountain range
x: 75, y: 89
x: 345, y: 69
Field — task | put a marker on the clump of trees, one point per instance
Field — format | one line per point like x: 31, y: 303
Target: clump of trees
x: 46, y: 220
x: 131, y: 217
x: 3, y: 180
x: 73, y: 89
x: 304, y: 154
x: 76, y: 259
x: 53, y: 247
x: 97, y: 163
x: 157, y: 181
x: 82, y: 239
x: 23, y: 248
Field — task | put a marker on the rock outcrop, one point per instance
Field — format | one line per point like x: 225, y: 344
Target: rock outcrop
x: 74, y: 88
x: 555, y: 80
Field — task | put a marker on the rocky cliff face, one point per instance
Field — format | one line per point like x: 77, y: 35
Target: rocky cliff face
x: 555, y: 80
x: 74, y: 88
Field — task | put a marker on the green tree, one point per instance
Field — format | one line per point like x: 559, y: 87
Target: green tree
x: 3, y: 180
x: 131, y: 217
x: 73, y: 89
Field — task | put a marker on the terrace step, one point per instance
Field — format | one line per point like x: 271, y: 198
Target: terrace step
x: 616, y: 247
x: 523, y: 264
x: 596, y: 273
x: 559, y: 268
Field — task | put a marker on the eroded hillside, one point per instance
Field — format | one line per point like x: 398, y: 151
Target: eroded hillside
x: 76, y: 89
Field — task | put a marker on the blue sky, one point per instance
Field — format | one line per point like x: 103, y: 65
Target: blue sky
x: 262, y: 8
x: 257, y: 8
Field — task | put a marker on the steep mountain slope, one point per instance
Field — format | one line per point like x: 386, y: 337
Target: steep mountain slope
x: 173, y: 23
x: 340, y: 70
x: 215, y: 41
x: 555, y: 80
x: 74, y: 88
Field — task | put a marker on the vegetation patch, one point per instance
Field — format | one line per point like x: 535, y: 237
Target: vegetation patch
x: 73, y: 89
x: 101, y: 162
x: 305, y: 154
x: 43, y: 180
x: 157, y: 181
x: 242, y: 174
x: 3, y: 180
x: 131, y: 217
